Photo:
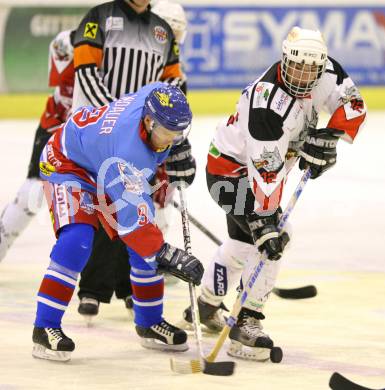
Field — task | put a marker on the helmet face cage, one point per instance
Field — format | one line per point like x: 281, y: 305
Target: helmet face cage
x: 155, y: 124
x: 300, y: 78
x: 304, y: 58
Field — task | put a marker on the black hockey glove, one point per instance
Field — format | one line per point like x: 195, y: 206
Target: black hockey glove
x: 180, y: 164
x: 319, y: 152
x: 266, y: 236
x: 180, y: 264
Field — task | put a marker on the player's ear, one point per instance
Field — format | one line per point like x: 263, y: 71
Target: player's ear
x: 147, y: 120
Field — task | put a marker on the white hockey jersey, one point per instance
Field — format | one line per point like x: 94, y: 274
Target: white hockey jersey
x: 61, y: 76
x: 262, y: 139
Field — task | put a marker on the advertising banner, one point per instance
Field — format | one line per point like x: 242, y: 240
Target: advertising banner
x: 226, y: 47
x: 28, y: 32
x: 229, y: 47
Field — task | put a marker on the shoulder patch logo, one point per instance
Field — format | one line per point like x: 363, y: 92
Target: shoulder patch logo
x: 90, y: 30
x: 160, y: 34
x: 262, y: 94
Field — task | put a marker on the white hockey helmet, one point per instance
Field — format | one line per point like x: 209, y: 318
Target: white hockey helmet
x: 304, y: 56
x: 174, y: 15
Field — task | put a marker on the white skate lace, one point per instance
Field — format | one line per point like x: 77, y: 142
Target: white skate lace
x: 55, y: 332
x: 164, y: 328
x: 252, y: 327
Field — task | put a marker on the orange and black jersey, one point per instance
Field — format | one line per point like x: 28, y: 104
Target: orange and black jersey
x: 117, y: 51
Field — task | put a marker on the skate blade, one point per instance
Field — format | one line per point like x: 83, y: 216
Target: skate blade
x: 41, y: 352
x: 151, y: 343
x: 245, y: 352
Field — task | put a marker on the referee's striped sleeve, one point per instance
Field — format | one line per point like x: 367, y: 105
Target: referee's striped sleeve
x: 87, y: 61
x: 92, y: 85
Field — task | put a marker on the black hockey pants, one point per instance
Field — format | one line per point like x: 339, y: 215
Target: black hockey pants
x: 234, y: 196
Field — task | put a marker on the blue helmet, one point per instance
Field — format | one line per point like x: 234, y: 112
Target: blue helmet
x: 168, y: 106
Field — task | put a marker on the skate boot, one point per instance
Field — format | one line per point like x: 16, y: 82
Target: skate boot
x: 129, y: 306
x: 249, y: 342
x: 89, y: 308
x: 163, y: 336
x: 210, y: 316
x: 51, y: 344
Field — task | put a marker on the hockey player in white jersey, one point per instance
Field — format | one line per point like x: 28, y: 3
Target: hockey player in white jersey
x: 248, y: 162
x: 17, y: 215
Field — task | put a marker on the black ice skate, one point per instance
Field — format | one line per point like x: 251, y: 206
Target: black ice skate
x: 210, y: 316
x: 249, y: 342
x: 51, y: 344
x: 163, y: 336
x: 89, y: 308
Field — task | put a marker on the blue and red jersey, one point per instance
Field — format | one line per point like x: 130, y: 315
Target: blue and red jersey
x: 103, y: 151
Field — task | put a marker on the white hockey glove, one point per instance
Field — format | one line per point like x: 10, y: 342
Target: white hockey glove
x: 180, y: 264
x: 266, y: 236
x: 319, y: 152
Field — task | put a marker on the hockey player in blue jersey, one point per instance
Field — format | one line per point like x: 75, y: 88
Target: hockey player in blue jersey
x: 97, y: 167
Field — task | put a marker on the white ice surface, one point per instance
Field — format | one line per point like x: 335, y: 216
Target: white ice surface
x: 338, y: 245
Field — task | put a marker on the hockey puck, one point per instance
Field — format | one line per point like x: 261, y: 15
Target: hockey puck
x: 276, y: 355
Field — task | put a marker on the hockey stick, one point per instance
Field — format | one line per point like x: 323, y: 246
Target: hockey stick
x: 304, y: 292
x: 201, y: 365
x: 339, y: 382
x: 254, y: 274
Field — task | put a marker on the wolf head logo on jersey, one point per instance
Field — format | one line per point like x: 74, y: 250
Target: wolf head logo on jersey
x: 269, y: 161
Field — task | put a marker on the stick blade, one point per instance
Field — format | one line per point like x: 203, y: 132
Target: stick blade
x: 339, y: 382
x: 219, y: 368
x: 304, y: 292
x: 185, y: 366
